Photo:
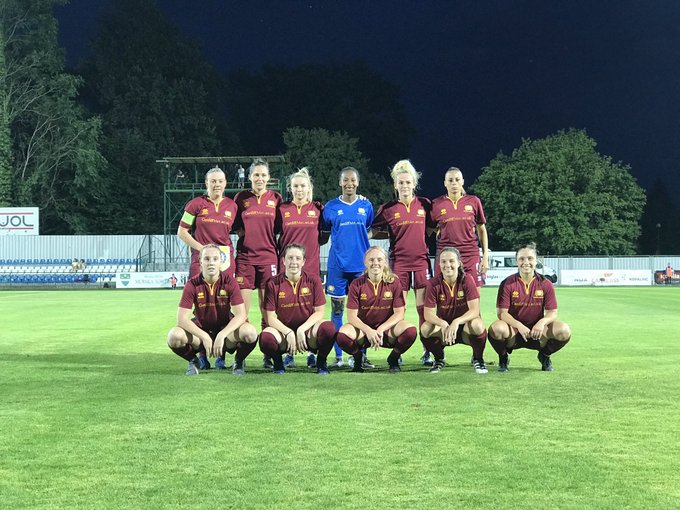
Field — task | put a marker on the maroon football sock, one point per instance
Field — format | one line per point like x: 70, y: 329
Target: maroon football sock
x: 498, y: 345
x: 405, y: 340
x: 325, y: 338
x: 268, y: 344
x: 553, y: 346
x: 243, y: 349
x: 186, y: 352
x: 434, y: 345
x: 348, y: 345
x: 478, y: 343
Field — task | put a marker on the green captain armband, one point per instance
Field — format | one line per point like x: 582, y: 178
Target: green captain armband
x: 188, y: 218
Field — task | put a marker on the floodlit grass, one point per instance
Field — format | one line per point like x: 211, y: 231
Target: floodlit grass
x: 96, y: 413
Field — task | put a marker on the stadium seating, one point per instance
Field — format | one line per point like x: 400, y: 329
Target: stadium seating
x: 55, y: 271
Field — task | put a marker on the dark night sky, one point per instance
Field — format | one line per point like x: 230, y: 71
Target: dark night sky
x: 475, y: 77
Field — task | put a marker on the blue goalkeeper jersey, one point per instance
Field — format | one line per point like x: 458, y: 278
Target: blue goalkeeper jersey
x: 348, y: 224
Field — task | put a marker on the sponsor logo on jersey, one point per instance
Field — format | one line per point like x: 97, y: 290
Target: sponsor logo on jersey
x: 443, y: 211
x: 387, y: 294
x: 204, y: 212
x: 421, y: 212
x: 538, y: 293
x: 271, y: 203
x: 361, y: 211
x: 304, y: 290
x: 282, y: 294
x: 397, y: 216
x: 363, y: 295
x: 227, y: 214
x: 311, y: 213
x: 515, y: 293
x: 467, y: 208
x: 442, y: 297
x: 340, y: 213
x: 223, y: 292
x: 461, y: 294
x: 286, y: 214
x: 246, y: 204
x: 201, y: 295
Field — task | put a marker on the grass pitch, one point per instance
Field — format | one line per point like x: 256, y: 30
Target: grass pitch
x: 95, y: 412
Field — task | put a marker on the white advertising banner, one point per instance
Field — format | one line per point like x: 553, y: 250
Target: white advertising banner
x: 151, y: 280
x: 605, y: 277
x: 19, y: 221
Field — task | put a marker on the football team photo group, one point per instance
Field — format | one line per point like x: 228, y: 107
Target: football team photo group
x: 277, y: 256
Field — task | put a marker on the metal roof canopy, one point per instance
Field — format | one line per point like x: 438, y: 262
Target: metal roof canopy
x: 210, y: 160
x: 176, y: 193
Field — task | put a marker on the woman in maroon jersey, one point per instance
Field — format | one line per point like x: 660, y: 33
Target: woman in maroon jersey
x: 527, y: 314
x: 219, y: 322
x: 405, y: 221
x: 295, y: 304
x: 460, y: 222
x: 208, y: 220
x: 452, y: 312
x: 375, y: 313
x: 298, y: 221
x: 256, y: 259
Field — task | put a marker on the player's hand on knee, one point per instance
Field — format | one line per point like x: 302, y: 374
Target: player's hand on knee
x: 301, y: 340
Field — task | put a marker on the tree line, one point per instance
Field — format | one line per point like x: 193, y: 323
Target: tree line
x: 81, y: 144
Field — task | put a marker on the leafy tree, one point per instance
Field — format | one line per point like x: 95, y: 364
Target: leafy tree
x: 325, y: 154
x: 349, y: 98
x: 559, y: 192
x: 660, y: 210
x: 55, y: 156
x: 5, y: 139
x: 157, y: 97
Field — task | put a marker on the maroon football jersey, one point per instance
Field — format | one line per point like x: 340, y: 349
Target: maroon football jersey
x: 211, y: 303
x: 457, y: 222
x: 256, y: 217
x: 375, y: 303
x: 450, y: 301
x: 211, y: 224
x: 294, y: 303
x: 526, y: 303
x: 406, y: 225
x: 300, y: 225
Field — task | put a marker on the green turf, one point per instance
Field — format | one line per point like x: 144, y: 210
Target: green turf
x: 95, y: 412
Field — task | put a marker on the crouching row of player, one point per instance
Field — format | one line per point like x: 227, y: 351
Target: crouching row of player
x: 295, y: 305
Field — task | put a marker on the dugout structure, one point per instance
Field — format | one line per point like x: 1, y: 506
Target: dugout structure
x: 185, y: 179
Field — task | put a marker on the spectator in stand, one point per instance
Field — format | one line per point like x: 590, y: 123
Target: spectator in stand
x: 669, y: 274
x: 173, y: 281
x: 74, y: 265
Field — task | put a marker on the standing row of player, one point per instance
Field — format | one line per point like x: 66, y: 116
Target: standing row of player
x: 259, y: 215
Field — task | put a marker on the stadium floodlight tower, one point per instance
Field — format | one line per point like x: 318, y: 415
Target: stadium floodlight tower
x: 185, y: 179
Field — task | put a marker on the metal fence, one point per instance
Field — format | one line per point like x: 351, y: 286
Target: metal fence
x: 168, y: 253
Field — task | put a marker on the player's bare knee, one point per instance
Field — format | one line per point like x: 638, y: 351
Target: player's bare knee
x: 476, y: 326
x: 176, y: 338
x: 562, y: 332
x: 247, y: 333
x: 499, y: 330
